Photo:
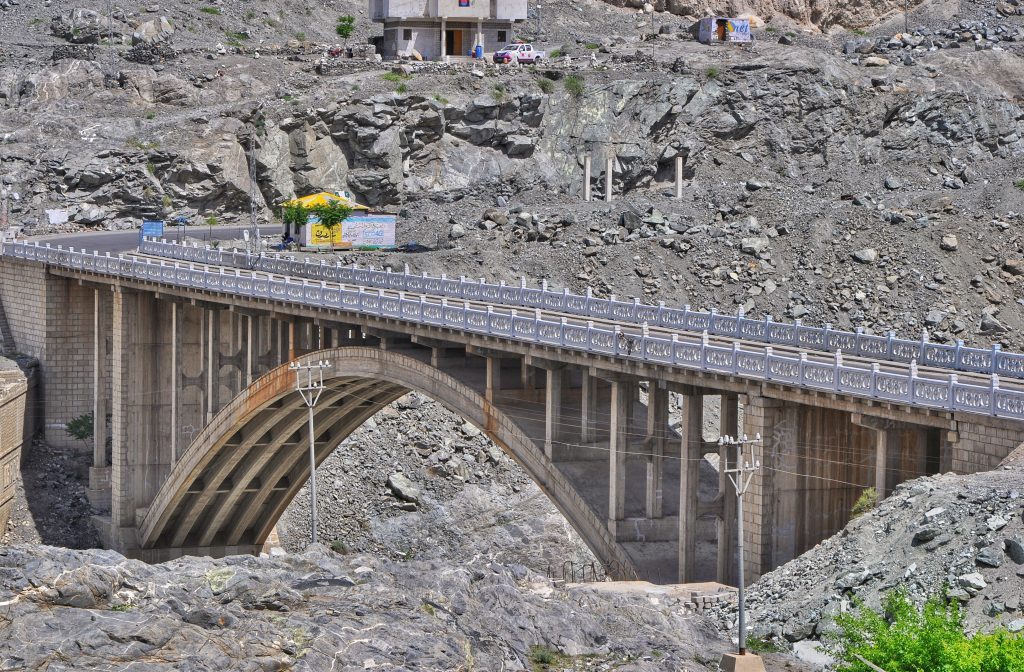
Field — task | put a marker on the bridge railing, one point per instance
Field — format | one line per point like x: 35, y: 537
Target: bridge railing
x: 955, y: 356
x: 801, y: 370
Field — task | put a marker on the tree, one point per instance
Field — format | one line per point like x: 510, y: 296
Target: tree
x: 332, y: 214
x: 346, y: 24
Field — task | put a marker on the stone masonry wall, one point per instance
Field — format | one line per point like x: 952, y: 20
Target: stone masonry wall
x: 981, y: 447
x: 13, y: 389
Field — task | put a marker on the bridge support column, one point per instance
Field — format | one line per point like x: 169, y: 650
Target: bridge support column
x: 881, y: 462
x: 212, y: 363
x: 765, y: 417
x: 618, y: 445
x: 729, y: 426
x: 493, y: 378
x: 99, y: 473
x: 691, y: 453
x: 657, y: 427
x: 552, y: 408
x: 588, y: 408
x: 141, y: 409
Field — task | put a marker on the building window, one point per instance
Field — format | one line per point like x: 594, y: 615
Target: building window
x: 502, y: 37
x: 407, y: 35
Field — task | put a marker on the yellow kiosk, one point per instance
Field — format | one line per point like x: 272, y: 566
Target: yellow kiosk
x: 314, y: 234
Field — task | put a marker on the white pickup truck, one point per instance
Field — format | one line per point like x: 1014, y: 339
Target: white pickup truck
x: 519, y: 53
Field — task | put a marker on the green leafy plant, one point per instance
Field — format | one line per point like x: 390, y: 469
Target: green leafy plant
x: 712, y: 73
x: 556, y: 53
x: 575, y: 86
x: 211, y: 220
x: 903, y: 638
x: 237, y: 37
x: 332, y: 214
x: 593, y: 45
x: 151, y: 115
x: 210, y: 10
x: 339, y: 547
x: 499, y: 92
x: 858, y: 32
x: 868, y: 500
x: 771, y: 29
x: 300, y: 36
x: 395, y: 77
x: 345, y: 26
x: 545, y: 85
x: 81, y: 428
x: 402, y: 88
x: 1019, y: 184
x: 543, y: 658
x: 762, y: 645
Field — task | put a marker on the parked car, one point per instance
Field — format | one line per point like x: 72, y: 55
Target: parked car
x: 519, y: 53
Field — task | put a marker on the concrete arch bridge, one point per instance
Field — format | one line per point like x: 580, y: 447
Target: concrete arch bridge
x: 188, y: 357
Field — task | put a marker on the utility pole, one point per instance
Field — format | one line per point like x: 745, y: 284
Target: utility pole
x: 110, y: 38
x: 906, y: 17
x: 740, y: 476
x: 254, y: 225
x: 539, y: 29
x: 309, y: 382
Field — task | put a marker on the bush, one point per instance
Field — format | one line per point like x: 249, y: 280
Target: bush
x: 867, y: 501
x: 345, y: 26
x: 713, y: 73
x: 210, y: 10
x: 1019, y: 184
x: 339, y: 547
x: 905, y: 639
x: 395, y: 77
x: 81, y: 428
x: 499, y: 92
x: 575, y: 86
x: 546, y: 85
x: 401, y: 88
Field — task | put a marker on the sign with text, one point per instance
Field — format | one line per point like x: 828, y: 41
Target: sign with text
x: 152, y: 229
x: 374, y: 230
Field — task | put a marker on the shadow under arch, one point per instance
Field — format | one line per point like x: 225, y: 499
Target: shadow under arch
x: 238, y: 476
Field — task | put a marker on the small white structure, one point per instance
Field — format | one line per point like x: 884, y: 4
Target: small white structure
x: 436, y: 29
x: 712, y: 29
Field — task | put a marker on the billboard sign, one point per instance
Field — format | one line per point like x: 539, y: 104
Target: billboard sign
x: 370, y: 230
x: 152, y: 228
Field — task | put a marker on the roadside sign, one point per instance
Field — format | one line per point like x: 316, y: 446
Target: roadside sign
x: 369, y: 231
x: 152, y: 229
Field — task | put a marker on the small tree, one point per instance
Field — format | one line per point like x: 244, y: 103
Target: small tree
x: 346, y: 24
x: 332, y: 214
x: 81, y: 428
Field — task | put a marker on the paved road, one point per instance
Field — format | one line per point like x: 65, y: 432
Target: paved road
x: 123, y: 241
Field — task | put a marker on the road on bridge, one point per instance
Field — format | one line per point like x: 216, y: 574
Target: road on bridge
x: 124, y: 241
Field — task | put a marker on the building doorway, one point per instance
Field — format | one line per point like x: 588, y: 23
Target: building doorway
x: 453, y: 43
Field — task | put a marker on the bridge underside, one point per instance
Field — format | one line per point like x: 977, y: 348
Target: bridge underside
x: 208, y: 439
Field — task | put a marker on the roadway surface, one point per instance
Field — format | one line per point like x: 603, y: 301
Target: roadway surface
x: 124, y: 241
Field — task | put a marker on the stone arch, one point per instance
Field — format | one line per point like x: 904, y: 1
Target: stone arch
x: 234, y: 482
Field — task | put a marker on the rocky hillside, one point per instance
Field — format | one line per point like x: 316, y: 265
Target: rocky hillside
x: 89, y: 610
x: 959, y: 534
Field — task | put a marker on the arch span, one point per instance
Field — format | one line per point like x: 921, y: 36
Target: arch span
x: 237, y: 477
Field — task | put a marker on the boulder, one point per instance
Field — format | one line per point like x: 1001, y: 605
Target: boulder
x: 153, y: 32
x: 404, y: 489
x: 875, y: 62
x: 87, y: 26
x: 867, y: 255
x: 949, y: 243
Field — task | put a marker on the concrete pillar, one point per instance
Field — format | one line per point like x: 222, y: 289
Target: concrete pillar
x: 679, y: 177
x: 100, y: 405
x: 552, y: 408
x: 212, y: 344
x: 493, y: 377
x: 618, y: 445
x: 608, y: 178
x: 526, y: 379
x: 690, y: 453
x: 250, y: 351
x: 881, y: 462
x: 175, y: 379
x: 444, y: 40
x: 728, y: 426
x: 657, y: 428
x: 765, y: 417
x: 122, y: 510
x: 587, y: 169
x: 588, y: 408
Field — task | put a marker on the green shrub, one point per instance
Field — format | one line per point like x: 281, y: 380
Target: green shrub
x: 858, y: 32
x: 762, y: 645
x: 1019, y: 184
x: 546, y: 85
x: 575, y: 86
x: 499, y: 92
x: 210, y: 10
x: 593, y: 45
x: 300, y: 36
x: 713, y: 73
x: 867, y: 501
x: 346, y: 24
x: 906, y: 639
x: 339, y: 547
x: 81, y: 428
x: 151, y: 115
x: 402, y: 88
x: 557, y: 53
x: 771, y: 29
x: 395, y: 77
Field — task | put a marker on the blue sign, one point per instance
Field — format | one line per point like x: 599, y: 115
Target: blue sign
x: 152, y: 229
